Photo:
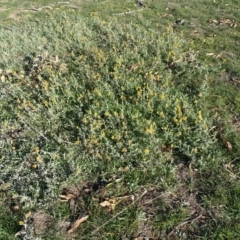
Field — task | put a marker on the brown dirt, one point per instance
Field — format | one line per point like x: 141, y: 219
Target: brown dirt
x: 41, y: 222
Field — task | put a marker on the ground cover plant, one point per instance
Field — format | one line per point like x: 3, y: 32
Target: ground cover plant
x: 110, y: 130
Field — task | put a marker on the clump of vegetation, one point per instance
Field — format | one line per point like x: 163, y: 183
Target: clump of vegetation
x: 107, y: 103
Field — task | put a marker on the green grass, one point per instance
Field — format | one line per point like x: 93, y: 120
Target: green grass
x: 129, y: 116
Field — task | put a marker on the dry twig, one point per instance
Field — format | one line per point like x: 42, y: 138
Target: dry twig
x: 39, y: 9
x: 182, y: 224
x: 125, y: 13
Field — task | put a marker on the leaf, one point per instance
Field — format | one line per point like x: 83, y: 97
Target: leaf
x: 215, y: 21
x: 210, y: 54
x: 227, y: 144
x: 65, y: 198
x: 229, y: 166
x: 87, y: 190
x: 215, y: 55
x: 27, y: 215
x: 105, y: 204
x: 227, y: 21
x: 196, y: 33
x: 133, y: 67
x: 3, y: 78
x: 77, y: 223
x: 110, y: 204
x: 113, y: 202
x: 165, y: 15
x: 113, y: 206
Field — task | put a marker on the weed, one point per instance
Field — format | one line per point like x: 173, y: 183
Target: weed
x: 116, y: 114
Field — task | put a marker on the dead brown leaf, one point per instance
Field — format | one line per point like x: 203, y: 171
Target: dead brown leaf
x: 134, y: 67
x: 66, y: 198
x: 28, y: 215
x: 110, y: 204
x: 105, y: 204
x: 214, y: 21
x: 229, y: 166
x: 195, y: 33
x: 77, y: 224
x: 214, y: 55
x: 165, y: 15
x: 227, y: 144
x: 225, y: 21
x: 210, y: 54
x: 113, y: 202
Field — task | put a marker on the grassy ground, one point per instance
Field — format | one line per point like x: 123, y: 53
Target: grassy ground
x: 120, y: 121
